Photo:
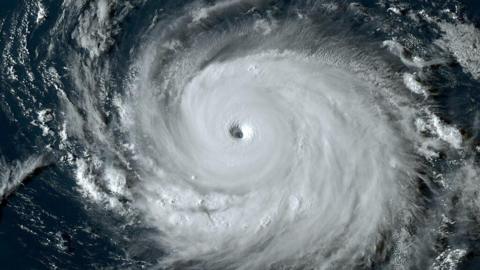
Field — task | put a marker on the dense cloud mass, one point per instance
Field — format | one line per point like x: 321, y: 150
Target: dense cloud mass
x: 246, y: 134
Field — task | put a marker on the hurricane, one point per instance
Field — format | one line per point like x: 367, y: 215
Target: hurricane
x: 239, y: 134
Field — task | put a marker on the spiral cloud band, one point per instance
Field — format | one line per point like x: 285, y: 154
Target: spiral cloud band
x: 282, y: 151
x: 258, y: 134
x: 264, y: 157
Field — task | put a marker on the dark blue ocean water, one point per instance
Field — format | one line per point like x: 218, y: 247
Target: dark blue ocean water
x: 44, y: 224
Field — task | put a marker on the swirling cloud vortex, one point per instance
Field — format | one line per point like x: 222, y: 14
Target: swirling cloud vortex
x: 268, y: 157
